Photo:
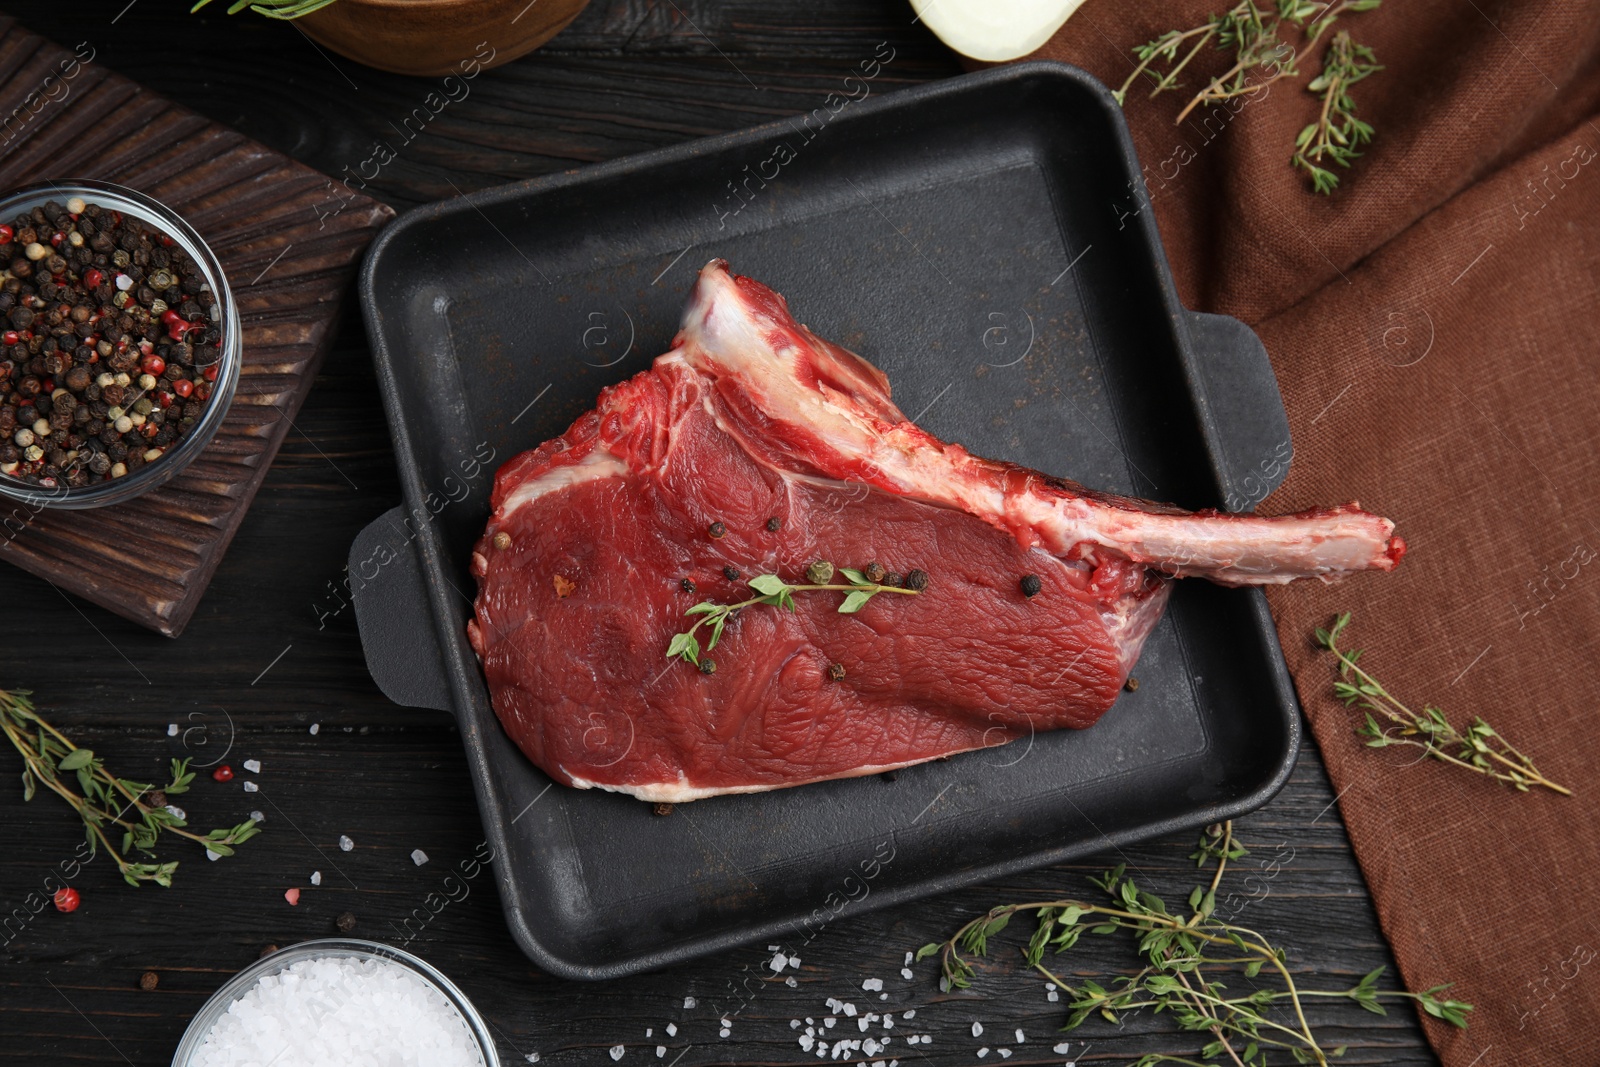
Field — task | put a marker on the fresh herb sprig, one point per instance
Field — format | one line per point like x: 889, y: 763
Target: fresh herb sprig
x: 1257, y: 35
x: 105, y: 802
x: 1337, y: 133
x: 272, y: 9
x: 1182, y: 953
x: 1388, y: 722
x: 770, y: 589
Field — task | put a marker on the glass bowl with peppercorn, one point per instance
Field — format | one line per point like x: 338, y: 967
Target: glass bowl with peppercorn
x: 120, y: 348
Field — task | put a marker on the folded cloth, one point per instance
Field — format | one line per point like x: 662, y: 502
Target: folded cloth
x: 1435, y: 328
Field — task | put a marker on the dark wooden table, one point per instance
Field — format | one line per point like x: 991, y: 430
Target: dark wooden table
x: 258, y: 666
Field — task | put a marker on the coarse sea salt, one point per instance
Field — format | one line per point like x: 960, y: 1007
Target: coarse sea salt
x: 340, y: 1012
x: 253, y: 766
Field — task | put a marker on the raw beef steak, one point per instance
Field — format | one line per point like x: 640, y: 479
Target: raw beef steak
x: 755, y: 447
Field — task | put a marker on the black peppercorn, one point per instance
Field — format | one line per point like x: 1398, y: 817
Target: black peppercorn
x: 662, y: 809
x: 917, y: 580
x: 1132, y: 684
x: 874, y: 572
x: 687, y: 585
x: 346, y: 922
x: 774, y: 524
x: 894, y: 579
x: 708, y: 666
x: 731, y: 573
x: 836, y: 671
x: 1031, y: 585
x: 148, y: 980
x: 717, y: 530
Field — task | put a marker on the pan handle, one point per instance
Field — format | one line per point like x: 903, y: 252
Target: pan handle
x: 393, y: 616
x: 1246, y: 422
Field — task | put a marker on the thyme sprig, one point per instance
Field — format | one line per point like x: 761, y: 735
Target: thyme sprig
x: 272, y: 9
x: 1182, y: 954
x: 1478, y: 748
x: 105, y: 802
x: 1257, y: 34
x: 771, y: 589
x: 1337, y: 133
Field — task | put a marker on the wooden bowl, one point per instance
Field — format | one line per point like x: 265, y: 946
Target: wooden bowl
x: 438, y: 37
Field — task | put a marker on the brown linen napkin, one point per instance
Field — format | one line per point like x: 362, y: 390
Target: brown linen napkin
x: 1435, y: 327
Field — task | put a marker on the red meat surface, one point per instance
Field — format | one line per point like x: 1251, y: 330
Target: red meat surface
x: 750, y: 417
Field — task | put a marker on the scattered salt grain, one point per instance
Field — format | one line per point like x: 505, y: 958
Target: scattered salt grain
x: 909, y: 958
x: 672, y: 1029
x: 982, y: 1052
x: 250, y: 787
x: 724, y: 1021
x: 870, y: 1047
x: 779, y: 962
x: 883, y: 996
x: 807, y: 1042
x: 649, y: 1031
x: 316, y: 728
x: 316, y: 877
x: 1063, y: 1048
x: 888, y: 1022
x: 872, y: 985
x: 909, y: 1013
x: 256, y: 816
x: 905, y: 972
x: 342, y: 1011
x: 850, y: 1010
x: 213, y: 856
x: 418, y: 857
x: 829, y: 1021
x: 791, y: 983
x: 253, y: 766
x: 688, y: 1002
x: 177, y: 812
x: 616, y: 1052
x: 661, y: 1050
x: 1021, y: 1038
x: 345, y: 844
x: 1052, y: 996
x: 532, y: 1057
x: 977, y: 1029
x: 724, y: 1032
x: 794, y: 961
x: 172, y: 729
x: 292, y: 895
x: 1005, y: 1053
x: 794, y: 1024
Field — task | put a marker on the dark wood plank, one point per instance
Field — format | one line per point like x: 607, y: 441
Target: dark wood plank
x: 625, y: 78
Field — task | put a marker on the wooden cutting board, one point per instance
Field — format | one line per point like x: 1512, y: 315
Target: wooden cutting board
x: 289, y: 240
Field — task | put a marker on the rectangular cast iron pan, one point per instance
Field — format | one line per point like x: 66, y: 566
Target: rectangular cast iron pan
x: 981, y: 240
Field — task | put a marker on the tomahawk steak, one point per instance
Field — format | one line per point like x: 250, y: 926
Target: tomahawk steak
x: 754, y: 447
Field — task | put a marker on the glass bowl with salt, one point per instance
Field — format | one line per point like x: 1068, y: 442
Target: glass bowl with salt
x: 338, y: 1002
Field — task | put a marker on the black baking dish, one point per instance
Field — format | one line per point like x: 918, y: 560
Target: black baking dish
x: 981, y: 240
